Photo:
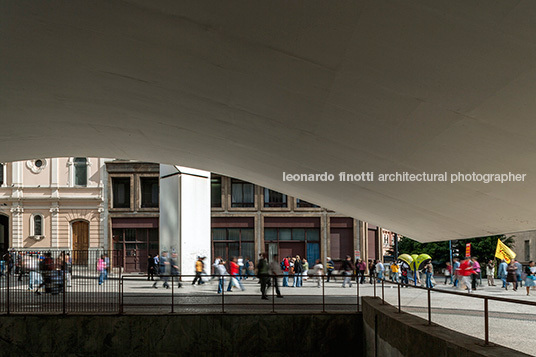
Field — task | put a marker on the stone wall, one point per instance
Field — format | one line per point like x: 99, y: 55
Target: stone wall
x: 172, y: 335
x: 389, y: 333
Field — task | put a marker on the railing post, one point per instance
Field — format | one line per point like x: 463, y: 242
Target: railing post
x: 8, y: 298
x: 273, y: 294
x: 486, y: 321
x: 63, y: 277
x: 374, y: 278
x: 358, y: 295
x: 172, y: 295
x: 429, y: 307
x: 399, y: 304
x: 383, y: 292
x: 323, y: 294
x: 222, y: 293
x: 120, y: 290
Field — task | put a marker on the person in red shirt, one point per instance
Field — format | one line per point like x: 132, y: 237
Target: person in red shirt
x: 285, y: 267
x: 235, y: 273
x: 466, y: 270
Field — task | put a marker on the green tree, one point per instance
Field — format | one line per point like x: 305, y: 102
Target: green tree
x: 483, y: 248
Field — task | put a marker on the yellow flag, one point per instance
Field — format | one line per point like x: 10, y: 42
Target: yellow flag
x: 503, y: 252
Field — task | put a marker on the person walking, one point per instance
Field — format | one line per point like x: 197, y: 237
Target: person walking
x: 456, y: 271
x: 519, y: 270
x: 263, y: 272
x: 448, y: 273
x: 372, y: 270
x: 380, y: 269
x: 503, y: 274
x: 347, y: 270
x: 235, y: 275
x: 490, y: 272
x: 475, y: 276
x: 101, y: 268
x: 429, y: 272
x: 511, y: 276
x: 318, y: 270
x: 199, y: 267
x: 240, y: 262
x: 163, y: 270
x: 298, y: 272
x: 330, y: 268
x: 275, y: 271
x: 285, y: 267
x: 466, y: 270
x: 529, y: 280
x: 361, y: 267
x: 305, y: 272
x: 174, y: 268
x: 221, y: 272
x: 394, y: 272
x: 151, y: 267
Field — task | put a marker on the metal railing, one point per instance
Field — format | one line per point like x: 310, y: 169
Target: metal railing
x: 484, y: 298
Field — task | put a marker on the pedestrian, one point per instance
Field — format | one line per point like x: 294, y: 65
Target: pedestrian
x: 476, y: 268
x: 490, y: 272
x: 215, y: 267
x: 456, y: 270
x: 199, y: 267
x: 429, y: 272
x: 163, y: 270
x: 240, y: 262
x: 32, y: 265
x: 235, y: 275
x: 221, y: 272
x: 151, y: 268
x: 511, y: 276
x: 298, y: 272
x: 394, y: 272
x: 503, y: 274
x: 263, y: 272
x: 361, y: 267
x: 330, y: 268
x: 529, y: 280
x: 275, y: 271
x: 466, y: 270
x: 519, y: 270
x: 372, y: 270
x: 305, y: 272
x: 448, y: 273
x: 174, y: 268
x: 285, y: 267
x: 101, y: 268
x: 318, y: 270
x: 404, y: 275
x: 291, y: 272
x: 380, y: 269
x: 251, y: 269
x: 347, y: 270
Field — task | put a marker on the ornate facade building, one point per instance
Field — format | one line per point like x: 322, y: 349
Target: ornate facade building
x: 56, y: 203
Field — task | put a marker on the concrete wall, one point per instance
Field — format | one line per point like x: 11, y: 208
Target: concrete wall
x: 175, y: 335
x: 388, y: 333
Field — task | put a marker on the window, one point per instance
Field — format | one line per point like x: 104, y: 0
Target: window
x: 149, y: 192
x: 306, y: 240
x: 121, y: 192
x: 233, y: 242
x: 37, y: 225
x: 274, y: 199
x: 527, y: 250
x: 242, y: 194
x: 80, y: 171
x: 305, y: 204
x: 1, y: 174
x: 215, y: 191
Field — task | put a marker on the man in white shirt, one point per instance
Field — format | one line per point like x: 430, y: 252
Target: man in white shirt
x: 379, y: 270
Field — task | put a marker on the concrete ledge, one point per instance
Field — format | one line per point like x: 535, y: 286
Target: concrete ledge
x: 163, y: 335
x: 408, y: 335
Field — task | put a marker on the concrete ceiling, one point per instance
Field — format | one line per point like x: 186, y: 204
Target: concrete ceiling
x: 252, y: 89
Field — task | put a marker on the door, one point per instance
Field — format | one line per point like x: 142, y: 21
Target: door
x: 80, y: 242
x: 4, y: 234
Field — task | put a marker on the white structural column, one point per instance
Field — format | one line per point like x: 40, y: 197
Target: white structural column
x: 185, y: 215
x: 54, y: 210
x: 17, y: 209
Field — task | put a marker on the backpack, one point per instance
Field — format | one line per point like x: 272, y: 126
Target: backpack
x: 283, y: 265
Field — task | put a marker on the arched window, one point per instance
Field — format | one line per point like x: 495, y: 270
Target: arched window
x: 80, y: 171
x: 37, y: 225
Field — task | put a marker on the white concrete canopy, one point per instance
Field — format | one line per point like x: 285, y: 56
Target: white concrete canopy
x: 252, y: 89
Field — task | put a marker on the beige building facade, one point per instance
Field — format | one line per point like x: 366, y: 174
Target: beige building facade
x: 56, y: 203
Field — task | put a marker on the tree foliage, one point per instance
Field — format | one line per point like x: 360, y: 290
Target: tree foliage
x: 483, y: 248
